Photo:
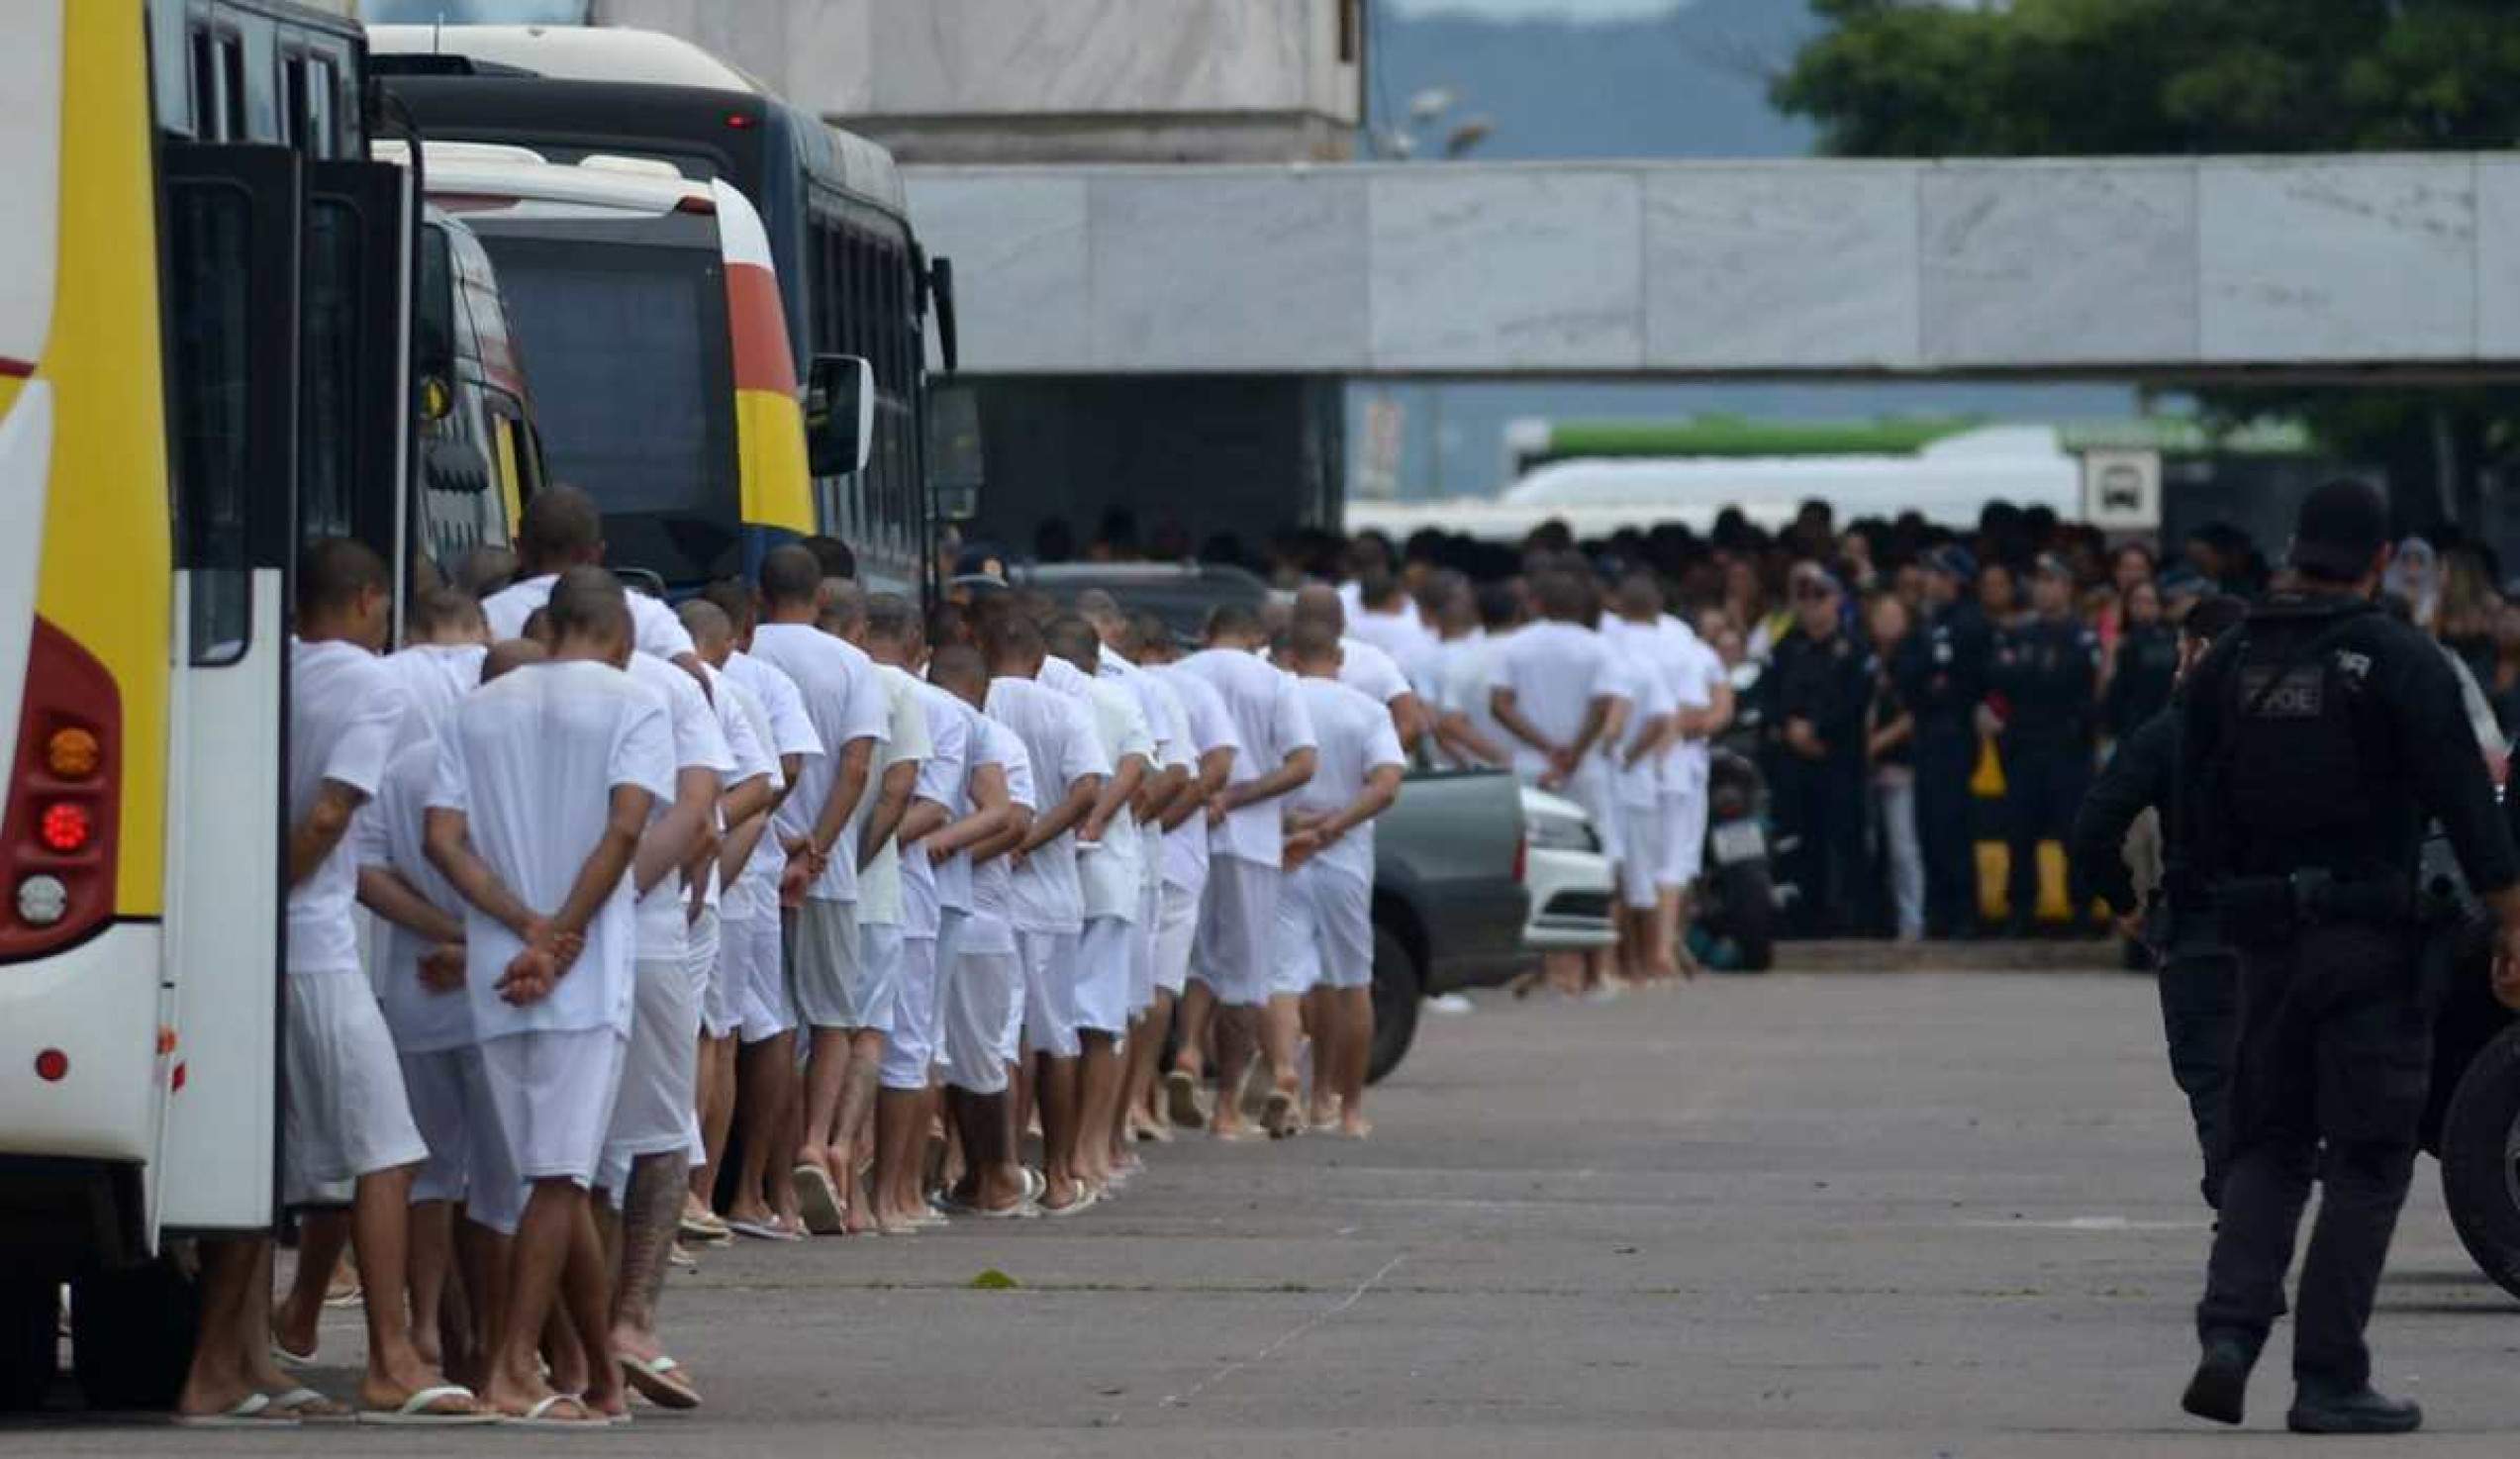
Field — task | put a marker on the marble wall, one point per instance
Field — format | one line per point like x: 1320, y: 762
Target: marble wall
x: 1615, y: 269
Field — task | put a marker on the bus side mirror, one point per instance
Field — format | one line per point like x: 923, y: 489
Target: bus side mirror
x: 840, y: 415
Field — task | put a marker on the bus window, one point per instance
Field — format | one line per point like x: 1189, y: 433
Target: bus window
x: 293, y: 103
x: 212, y: 243
x: 328, y: 406
x: 321, y: 86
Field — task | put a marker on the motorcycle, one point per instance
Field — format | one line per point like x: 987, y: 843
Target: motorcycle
x: 1738, y: 896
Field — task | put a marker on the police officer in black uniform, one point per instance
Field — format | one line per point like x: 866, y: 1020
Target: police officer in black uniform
x: 1941, y: 674
x: 2047, y: 673
x: 2144, y: 667
x: 1822, y: 686
x: 2318, y: 738
x: 2199, y: 978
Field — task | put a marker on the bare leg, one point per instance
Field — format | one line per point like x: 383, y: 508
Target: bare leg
x: 717, y: 1112
x: 1057, y: 1089
x: 539, y: 1253
x: 1673, y: 912
x: 383, y: 1210
x: 826, y: 1078
x: 321, y: 1237
x: 433, y: 1252
x: 1236, y: 1031
x: 900, y: 1147
x: 584, y: 1295
x: 483, y: 1255
x: 1354, y: 1040
x: 1137, y: 1080
x: 766, y: 1078
x: 851, y: 1116
x: 1198, y: 1004
x: 219, y: 1377
x: 1281, y: 1037
x: 1097, y: 1104
x: 1320, y: 1026
x: 651, y: 1211
x: 253, y: 1335
x: 1147, y: 1110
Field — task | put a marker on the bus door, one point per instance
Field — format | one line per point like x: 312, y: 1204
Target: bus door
x: 234, y: 220
x: 355, y: 385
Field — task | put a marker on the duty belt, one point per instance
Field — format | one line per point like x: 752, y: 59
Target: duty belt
x: 2311, y: 897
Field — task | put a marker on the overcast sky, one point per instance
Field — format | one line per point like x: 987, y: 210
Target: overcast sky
x: 1541, y: 9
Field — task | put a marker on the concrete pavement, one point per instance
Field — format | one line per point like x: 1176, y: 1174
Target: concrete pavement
x: 1803, y: 1215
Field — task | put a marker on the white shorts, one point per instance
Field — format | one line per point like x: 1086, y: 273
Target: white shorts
x: 1684, y: 844
x: 828, y: 975
x: 441, y: 1085
x: 1231, y: 955
x: 342, y: 1110
x: 1640, y: 871
x: 751, y: 948
x: 913, y: 1044
x: 1592, y: 789
x: 1049, y: 993
x: 1104, y: 952
x: 494, y: 1193
x: 660, y: 1068
x: 706, y: 938
x: 982, y: 999
x: 1141, y: 950
x: 1324, y: 932
x: 1176, y: 929
x: 552, y: 1093
x: 879, y: 953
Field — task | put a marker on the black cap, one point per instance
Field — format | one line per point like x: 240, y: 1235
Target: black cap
x: 2341, y: 527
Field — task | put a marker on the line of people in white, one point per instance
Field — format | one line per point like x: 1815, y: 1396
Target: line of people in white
x: 694, y: 923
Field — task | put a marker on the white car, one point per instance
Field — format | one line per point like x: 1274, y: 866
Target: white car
x: 1574, y: 887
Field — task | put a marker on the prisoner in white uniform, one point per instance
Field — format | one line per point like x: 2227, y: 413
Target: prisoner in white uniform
x: 1108, y: 875
x: 1325, y: 913
x: 1046, y: 901
x: 1555, y: 671
x: 1211, y: 729
x: 654, y: 626
x: 845, y: 699
x: 876, y: 999
x: 344, y: 1112
x: 749, y: 915
x: 983, y: 995
x: 531, y: 763
x: 942, y: 775
x: 746, y: 721
x: 1232, y: 951
x: 1697, y: 672
x: 434, y: 678
x: 1636, y: 761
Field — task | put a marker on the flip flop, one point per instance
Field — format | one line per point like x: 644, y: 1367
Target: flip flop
x: 1180, y: 1099
x: 253, y: 1410
x: 1240, y: 1135
x: 710, y: 1232
x: 824, y: 1214
x: 306, y: 1403
x: 656, y: 1382
x: 1035, y: 1184
x: 415, y: 1412
x: 294, y: 1362
x: 539, y: 1416
x: 1085, y: 1200
x: 1280, y: 1119
x: 762, y: 1232
x: 680, y: 1259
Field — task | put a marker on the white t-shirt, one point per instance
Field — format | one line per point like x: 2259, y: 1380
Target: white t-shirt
x: 1468, y: 674
x: 1556, y: 670
x: 532, y: 760
x: 654, y: 628
x: 944, y: 780
x: 745, y: 725
x: 988, y: 929
x: 1636, y: 678
x: 392, y: 834
x: 1109, y: 871
x: 1403, y: 635
x: 1211, y: 729
x: 1697, y: 670
x: 346, y: 714
x: 1364, y: 666
x: 1060, y: 739
x: 845, y: 701
x: 1174, y: 751
x: 700, y: 744
x: 1352, y: 598
x: 790, y: 733
x: 1357, y: 738
x: 879, y: 884
x: 433, y: 677
x: 1270, y: 721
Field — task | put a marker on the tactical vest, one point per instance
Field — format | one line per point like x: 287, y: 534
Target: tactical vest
x: 2295, y: 782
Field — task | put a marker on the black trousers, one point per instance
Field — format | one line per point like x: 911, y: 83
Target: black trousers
x: 1821, y: 804
x: 2044, y: 785
x: 2199, y: 987
x: 2328, y: 1082
x: 1946, y: 758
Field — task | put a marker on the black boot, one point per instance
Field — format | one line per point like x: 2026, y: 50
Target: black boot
x: 2221, y: 1384
x: 2364, y: 1410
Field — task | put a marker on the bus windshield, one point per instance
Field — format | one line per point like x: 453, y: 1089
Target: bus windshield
x: 628, y: 347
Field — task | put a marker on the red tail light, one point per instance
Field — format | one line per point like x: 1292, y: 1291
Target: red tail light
x: 57, y: 842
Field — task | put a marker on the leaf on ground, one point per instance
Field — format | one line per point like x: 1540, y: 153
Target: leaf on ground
x: 993, y: 1280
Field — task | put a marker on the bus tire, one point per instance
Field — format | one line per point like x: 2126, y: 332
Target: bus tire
x: 131, y: 1335
x: 30, y: 1337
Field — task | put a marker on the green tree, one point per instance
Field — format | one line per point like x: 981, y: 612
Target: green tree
x: 1894, y: 78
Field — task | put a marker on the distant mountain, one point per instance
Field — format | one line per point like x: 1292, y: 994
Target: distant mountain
x: 1690, y: 85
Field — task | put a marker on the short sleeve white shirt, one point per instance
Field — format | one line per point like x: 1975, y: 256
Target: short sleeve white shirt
x: 1365, y: 666
x: 845, y: 701
x: 744, y: 723
x: 1698, y: 671
x: 700, y: 744
x: 532, y: 760
x: 393, y: 830
x: 988, y: 929
x: 1211, y: 729
x: 1270, y: 720
x: 1107, y: 870
x: 654, y: 628
x: 1555, y: 670
x: 943, y: 778
x: 433, y: 677
x: 1356, y: 738
x: 787, y: 731
x: 879, y: 885
x: 346, y: 715
x: 1060, y: 739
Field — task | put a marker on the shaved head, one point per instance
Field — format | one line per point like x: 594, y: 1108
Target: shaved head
x: 1320, y: 604
x: 713, y: 634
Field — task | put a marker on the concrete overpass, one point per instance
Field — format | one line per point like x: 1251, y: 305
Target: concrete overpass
x: 2185, y: 268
